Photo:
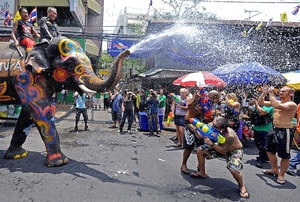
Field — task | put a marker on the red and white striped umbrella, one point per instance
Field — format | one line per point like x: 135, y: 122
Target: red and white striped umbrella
x: 201, y: 78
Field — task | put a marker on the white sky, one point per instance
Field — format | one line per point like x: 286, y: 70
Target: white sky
x: 227, y: 10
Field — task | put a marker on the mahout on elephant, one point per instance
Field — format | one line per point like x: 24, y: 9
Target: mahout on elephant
x: 31, y: 82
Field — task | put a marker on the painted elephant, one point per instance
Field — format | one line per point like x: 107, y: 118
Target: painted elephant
x: 48, y: 68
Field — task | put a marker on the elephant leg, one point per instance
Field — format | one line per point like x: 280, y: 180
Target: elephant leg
x: 48, y: 132
x: 15, y: 150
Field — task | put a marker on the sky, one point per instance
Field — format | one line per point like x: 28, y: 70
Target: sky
x: 225, y: 10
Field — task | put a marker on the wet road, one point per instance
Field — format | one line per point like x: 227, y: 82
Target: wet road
x: 106, y: 166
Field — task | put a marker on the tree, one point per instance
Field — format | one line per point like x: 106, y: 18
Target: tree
x: 184, y: 9
x: 135, y: 63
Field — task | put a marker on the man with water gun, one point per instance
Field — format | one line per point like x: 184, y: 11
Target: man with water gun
x: 198, y: 106
x: 231, y: 149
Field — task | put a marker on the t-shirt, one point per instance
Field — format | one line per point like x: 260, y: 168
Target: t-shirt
x: 117, y: 103
x: 152, y: 105
x: 162, y: 101
x: 80, y: 101
x: 106, y: 95
x: 128, y: 104
x: 265, y: 127
x: 97, y: 95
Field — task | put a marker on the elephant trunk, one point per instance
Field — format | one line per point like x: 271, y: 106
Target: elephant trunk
x: 99, y: 85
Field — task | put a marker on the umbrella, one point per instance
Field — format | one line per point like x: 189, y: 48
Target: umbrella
x: 248, y: 73
x: 202, y: 78
x: 293, y: 79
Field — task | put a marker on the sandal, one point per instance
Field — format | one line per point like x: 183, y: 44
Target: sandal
x: 279, y: 181
x: 269, y: 172
x: 185, y: 171
x: 198, y: 175
x: 244, y: 194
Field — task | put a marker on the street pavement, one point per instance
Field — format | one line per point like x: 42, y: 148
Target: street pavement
x: 107, y: 166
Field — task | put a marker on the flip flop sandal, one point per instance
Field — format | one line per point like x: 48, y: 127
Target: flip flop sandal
x: 244, y: 194
x: 197, y: 175
x: 279, y: 181
x: 269, y: 172
x: 185, y: 171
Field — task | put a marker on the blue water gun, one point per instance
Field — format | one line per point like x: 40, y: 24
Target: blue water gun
x: 206, y: 130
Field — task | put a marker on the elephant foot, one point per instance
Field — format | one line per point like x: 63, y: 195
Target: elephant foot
x: 55, y: 160
x: 15, y: 153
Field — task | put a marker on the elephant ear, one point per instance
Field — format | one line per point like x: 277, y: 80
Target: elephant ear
x: 37, y: 59
x: 62, y: 46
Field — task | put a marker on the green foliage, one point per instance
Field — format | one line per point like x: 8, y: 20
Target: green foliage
x: 136, y: 63
x: 184, y: 10
x: 135, y: 28
x: 105, y: 61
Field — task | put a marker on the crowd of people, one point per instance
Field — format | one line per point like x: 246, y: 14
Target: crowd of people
x: 270, y: 115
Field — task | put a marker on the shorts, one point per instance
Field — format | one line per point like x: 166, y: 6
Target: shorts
x: 279, y: 140
x: 28, y: 43
x: 179, y: 120
x: 116, y: 116
x: 190, y: 140
x: 234, y: 160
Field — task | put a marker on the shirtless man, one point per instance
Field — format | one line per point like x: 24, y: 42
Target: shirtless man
x: 280, y: 137
x: 194, y: 110
x: 232, y: 150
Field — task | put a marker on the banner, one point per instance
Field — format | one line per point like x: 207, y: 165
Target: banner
x: 116, y: 46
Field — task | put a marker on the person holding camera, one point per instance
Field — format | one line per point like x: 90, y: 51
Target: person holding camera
x: 128, y: 111
x: 152, y: 113
x: 80, y: 106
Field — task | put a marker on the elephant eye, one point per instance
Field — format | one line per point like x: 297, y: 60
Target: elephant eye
x: 70, y: 63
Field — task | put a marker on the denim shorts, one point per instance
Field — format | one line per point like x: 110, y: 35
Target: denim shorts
x: 179, y: 120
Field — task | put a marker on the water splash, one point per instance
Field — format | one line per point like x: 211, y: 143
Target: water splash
x: 157, y: 41
x: 211, y: 45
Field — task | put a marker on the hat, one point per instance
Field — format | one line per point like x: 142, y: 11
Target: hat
x: 151, y: 90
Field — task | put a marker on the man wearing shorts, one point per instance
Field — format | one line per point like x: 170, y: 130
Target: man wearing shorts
x: 280, y: 137
x: 232, y: 150
x: 191, y: 139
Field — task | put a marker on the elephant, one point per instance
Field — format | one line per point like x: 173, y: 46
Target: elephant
x: 31, y: 81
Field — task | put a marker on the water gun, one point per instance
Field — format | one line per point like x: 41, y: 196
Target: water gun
x: 205, y: 103
x: 206, y: 130
x: 177, y: 99
x: 170, y: 117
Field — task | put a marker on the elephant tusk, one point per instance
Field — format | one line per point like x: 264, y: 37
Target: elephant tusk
x: 86, y: 90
